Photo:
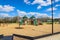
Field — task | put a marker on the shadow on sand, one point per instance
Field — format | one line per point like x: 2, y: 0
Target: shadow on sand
x: 19, y: 28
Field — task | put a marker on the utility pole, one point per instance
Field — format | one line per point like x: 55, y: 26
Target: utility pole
x: 52, y: 16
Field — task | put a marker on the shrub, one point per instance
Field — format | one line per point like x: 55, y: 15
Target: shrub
x: 49, y: 22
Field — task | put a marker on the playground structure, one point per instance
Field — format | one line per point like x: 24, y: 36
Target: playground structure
x: 30, y: 21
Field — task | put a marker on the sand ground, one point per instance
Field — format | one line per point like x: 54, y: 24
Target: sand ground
x: 28, y: 30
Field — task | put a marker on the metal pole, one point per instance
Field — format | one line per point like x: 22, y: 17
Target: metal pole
x: 52, y: 16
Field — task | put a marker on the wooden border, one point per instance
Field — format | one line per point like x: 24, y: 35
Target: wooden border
x: 37, y: 37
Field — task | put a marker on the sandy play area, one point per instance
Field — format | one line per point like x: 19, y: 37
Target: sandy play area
x: 28, y: 30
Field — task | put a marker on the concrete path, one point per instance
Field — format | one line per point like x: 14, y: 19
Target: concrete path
x: 7, y: 38
x: 53, y: 37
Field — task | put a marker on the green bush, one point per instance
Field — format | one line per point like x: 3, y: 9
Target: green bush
x: 49, y: 22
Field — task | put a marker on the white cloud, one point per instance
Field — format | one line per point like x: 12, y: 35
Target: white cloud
x: 57, y: 5
x: 21, y: 13
x: 40, y: 2
x: 37, y: 1
x: 57, y: 15
x: 42, y: 15
x: 54, y: 8
x: 38, y: 7
x: 57, y: 0
x: 29, y: 14
x: 27, y: 2
x: 37, y: 15
x: 6, y: 8
x: 32, y: 13
x: 4, y: 15
x: 54, y: 13
x: 50, y: 9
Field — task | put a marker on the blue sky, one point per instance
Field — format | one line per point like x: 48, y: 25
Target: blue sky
x: 37, y: 8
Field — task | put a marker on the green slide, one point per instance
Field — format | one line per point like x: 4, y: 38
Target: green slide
x: 35, y: 22
x: 21, y: 22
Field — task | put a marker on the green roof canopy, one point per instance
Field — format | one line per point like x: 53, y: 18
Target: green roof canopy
x: 25, y: 17
x: 32, y: 17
